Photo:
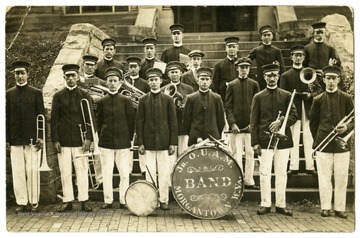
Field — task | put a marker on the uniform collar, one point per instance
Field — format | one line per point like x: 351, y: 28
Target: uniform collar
x: 333, y: 91
x: 318, y: 42
x: 150, y: 58
x: 70, y: 88
x: 178, y: 44
x: 297, y: 66
x: 108, y: 59
x: 204, y: 91
x: 155, y: 91
x: 271, y: 88
x: 88, y: 75
x: 21, y: 85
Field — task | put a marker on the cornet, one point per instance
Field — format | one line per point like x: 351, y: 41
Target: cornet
x: 179, y: 99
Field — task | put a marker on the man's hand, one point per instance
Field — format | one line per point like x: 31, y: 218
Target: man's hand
x: 341, y: 129
x: 57, y: 147
x: 141, y: 149
x: 39, y: 144
x: 171, y: 149
x: 257, y: 149
x: 235, y: 128
x: 86, y: 145
x: 275, y: 126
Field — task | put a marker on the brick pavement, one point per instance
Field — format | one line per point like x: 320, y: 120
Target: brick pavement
x: 242, y: 219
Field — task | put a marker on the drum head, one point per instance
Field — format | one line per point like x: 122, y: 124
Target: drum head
x: 207, y: 182
x: 141, y: 198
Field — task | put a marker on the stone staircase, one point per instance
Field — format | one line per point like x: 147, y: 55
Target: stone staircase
x: 299, y: 187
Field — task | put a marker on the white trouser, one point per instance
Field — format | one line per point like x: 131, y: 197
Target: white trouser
x: 237, y: 143
x: 307, y: 141
x: 158, y: 160
x: 327, y: 165
x: 81, y: 165
x: 183, y: 146
x: 121, y: 158
x: 25, y: 173
x: 281, y: 158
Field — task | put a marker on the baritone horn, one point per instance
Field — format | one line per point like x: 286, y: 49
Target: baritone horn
x: 131, y: 91
x: 172, y: 91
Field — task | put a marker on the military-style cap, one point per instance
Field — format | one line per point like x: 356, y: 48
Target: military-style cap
x: 319, y: 72
x: 331, y: 70
x: 318, y: 25
x: 90, y: 59
x: 133, y: 60
x: 204, y: 71
x: 113, y: 71
x: 243, y: 61
x: 231, y: 40
x: 266, y: 28
x: 297, y: 49
x: 176, y: 27
x: 108, y: 41
x: 270, y: 67
x: 153, y: 72
x: 196, y: 53
x: 70, y: 68
x: 174, y: 65
x: 149, y: 41
x: 20, y: 65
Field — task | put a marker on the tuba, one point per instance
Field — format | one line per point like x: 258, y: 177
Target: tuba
x: 131, y: 91
x: 308, y: 76
x: 179, y: 99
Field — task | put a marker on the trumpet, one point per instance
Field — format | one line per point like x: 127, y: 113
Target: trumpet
x: 333, y: 134
x: 172, y: 91
x: 131, y: 91
x: 95, y: 148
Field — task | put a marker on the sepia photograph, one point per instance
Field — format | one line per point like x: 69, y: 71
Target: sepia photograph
x: 174, y: 118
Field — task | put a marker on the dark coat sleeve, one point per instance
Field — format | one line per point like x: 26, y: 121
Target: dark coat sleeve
x: 220, y: 115
x: 173, y: 123
x: 217, y: 77
x: 254, y: 121
x: 55, y: 119
x: 99, y: 115
x: 130, y: 117
x: 314, y: 117
x: 140, y: 121
x: 229, y: 102
x: 187, y: 115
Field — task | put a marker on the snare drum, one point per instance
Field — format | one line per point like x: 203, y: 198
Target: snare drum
x: 141, y: 198
x: 207, y: 182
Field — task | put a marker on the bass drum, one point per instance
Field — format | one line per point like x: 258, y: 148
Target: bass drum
x: 207, y: 182
x: 141, y: 198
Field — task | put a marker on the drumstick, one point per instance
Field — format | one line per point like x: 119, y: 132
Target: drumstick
x: 151, y: 177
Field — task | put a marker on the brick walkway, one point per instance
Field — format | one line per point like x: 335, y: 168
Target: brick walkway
x: 242, y: 219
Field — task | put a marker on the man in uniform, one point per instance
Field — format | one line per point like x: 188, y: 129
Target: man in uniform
x: 225, y: 70
x: 190, y: 77
x: 23, y: 104
x: 133, y: 76
x: 115, y: 119
x: 150, y: 59
x: 266, y: 53
x: 268, y: 110
x: 109, y: 50
x: 239, y: 94
x: 156, y: 128
x: 327, y: 110
x: 69, y: 143
x: 204, y: 111
x: 305, y: 93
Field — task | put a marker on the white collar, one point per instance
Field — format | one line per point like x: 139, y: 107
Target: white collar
x: 155, y: 91
x: 21, y: 85
x: 88, y: 75
x: 297, y: 66
x: 317, y: 41
x: 272, y: 87
x: 176, y: 84
x: 150, y: 58
x: 333, y: 91
x: 108, y: 59
x: 134, y: 77
x: 113, y: 93
x: 230, y: 58
x: 204, y: 91
x: 178, y: 44
x: 70, y: 88
x: 267, y: 43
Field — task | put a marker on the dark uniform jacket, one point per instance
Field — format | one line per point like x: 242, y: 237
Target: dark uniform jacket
x: 239, y: 94
x: 266, y: 54
x: 23, y: 105
x: 327, y: 110
x: 189, y: 78
x: 156, y: 124
x: 104, y: 64
x: 290, y: 80
x: 140, y: 84
x: 173, y: 53
x: 317, y: 55
x: 224, y: 72
x: 66, y: 116
x: 184, y: 90
x: 146, y: 64
x: 203, y: 115
x: 264, y: 110
x: 115, y: 120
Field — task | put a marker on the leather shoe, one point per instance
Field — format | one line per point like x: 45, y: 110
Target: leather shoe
x: 292, y: 172
x: 106, y: 206
x: 85, y: 207
x: 325, y: 213
x: 284, y: 211
x: 263, y: 210
x: 34, y: 209
x: 67, y: 206
x: 252, y: 187
x: 20, y: 209
x: 311, y: 172
x: 122, y: 206
x: 164, y: 206
x: 341, y: 215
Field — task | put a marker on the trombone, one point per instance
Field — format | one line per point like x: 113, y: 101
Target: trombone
x: 95, y: 148
x: 333, y: 134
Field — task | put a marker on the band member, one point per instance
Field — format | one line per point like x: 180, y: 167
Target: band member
x: 305, y: 93
x: 68, y: 141
x: 239, y: 94
x: 204, y: 111
x: 115, y: 120
x: 149, y: 60
x: 225, y: 70
x: 266, y: 53
x: 156, y: 128
x: 326, y: 112
x: 109, y: 50
x: 318, y: 54
x: 265, y: 109
x: 173, y: 53
x: 133, y: 77
x: 190, y: 77
x: 23, y: 104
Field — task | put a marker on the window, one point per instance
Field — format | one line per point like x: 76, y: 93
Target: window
x: 98, y: 9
